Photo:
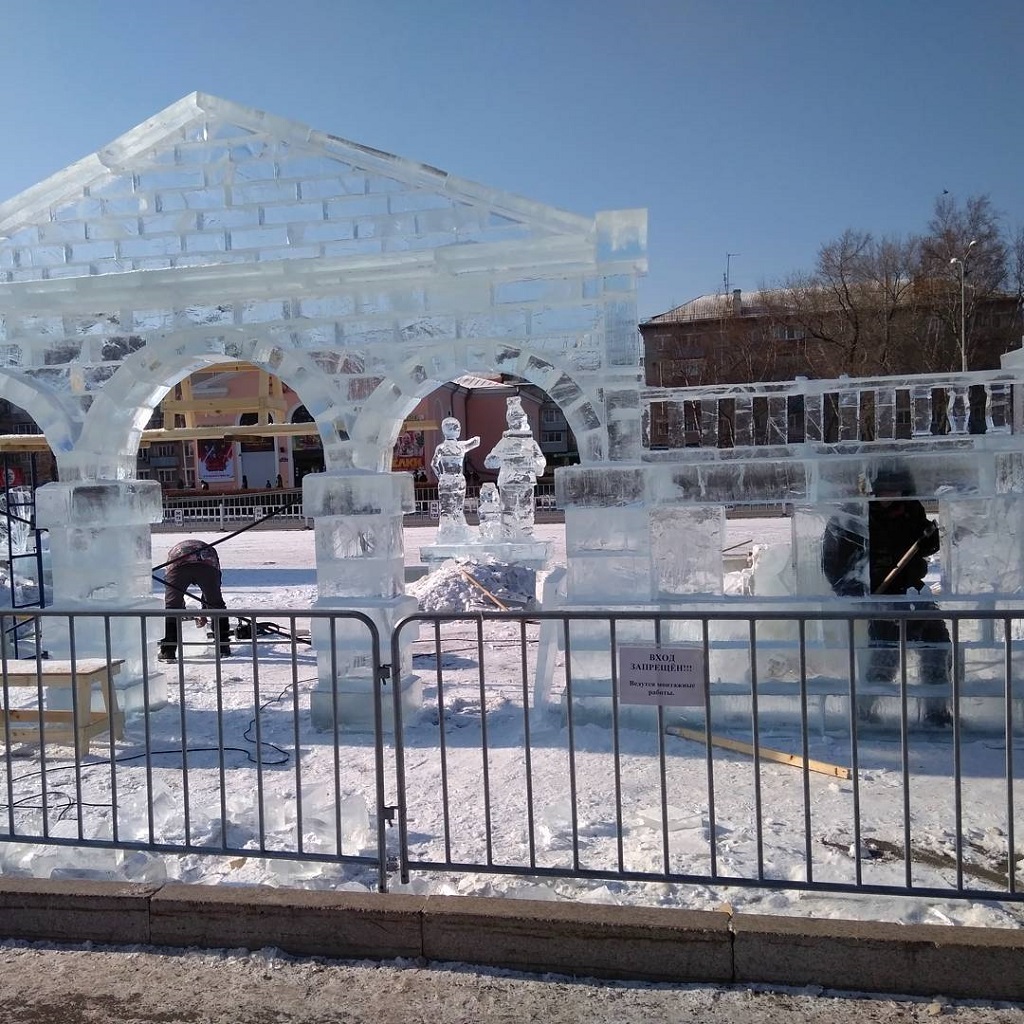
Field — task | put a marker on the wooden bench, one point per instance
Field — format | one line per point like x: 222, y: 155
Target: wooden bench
x: 75, y: 726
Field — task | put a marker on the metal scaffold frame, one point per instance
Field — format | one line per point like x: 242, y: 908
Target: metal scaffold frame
x: 19, y: 507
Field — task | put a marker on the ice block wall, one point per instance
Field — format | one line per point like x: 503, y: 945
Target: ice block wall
x: 360, y: 568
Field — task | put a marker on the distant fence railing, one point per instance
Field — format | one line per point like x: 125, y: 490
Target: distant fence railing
x: 881, y: 409
x: 427, y: 503
x: 286, y: 503
x: 225, y: 508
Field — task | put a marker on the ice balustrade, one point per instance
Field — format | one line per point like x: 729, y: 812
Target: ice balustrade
x: 650, y: 534
x: 827, y: 411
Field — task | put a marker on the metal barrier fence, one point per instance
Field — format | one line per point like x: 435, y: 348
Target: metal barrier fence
x: 213, y: 757
x: 507, y: 748
x: 794, y: 774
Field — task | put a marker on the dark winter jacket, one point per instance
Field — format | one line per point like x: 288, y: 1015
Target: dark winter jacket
x: 190, y: 551
x: 893, y: 529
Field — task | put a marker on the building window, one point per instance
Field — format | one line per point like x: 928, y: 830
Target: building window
x: 552, y: 415
x: 786, y: 332
x: 552, y: 436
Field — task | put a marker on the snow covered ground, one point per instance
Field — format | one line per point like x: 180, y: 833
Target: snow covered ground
x: 658, y: 801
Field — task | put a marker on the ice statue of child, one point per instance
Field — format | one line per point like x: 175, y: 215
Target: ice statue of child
x: 447, y: 463
x: 489, y: 511
x: 519, y: 462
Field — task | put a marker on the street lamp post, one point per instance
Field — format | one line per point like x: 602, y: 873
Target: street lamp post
x: 959, y: 261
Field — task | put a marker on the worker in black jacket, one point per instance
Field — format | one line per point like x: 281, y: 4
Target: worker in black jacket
x: 189, y: 562
x: 894, y: 558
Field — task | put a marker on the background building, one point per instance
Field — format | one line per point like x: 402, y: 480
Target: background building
x: 780, y: 334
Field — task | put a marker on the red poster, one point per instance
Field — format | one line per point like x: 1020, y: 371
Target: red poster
x: 408, y: 453
x: 217, y: 461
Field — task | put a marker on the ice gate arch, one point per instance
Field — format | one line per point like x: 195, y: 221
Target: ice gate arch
x: 214, y: 232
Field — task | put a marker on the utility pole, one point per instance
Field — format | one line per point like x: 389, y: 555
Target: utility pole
x: 961, y: 261
x: 728, y: 262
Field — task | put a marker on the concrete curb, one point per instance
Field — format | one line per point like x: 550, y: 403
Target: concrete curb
x: 591, y: 940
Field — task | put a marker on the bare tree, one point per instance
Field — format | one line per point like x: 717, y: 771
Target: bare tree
x: 952, y: 230
x: 1016, y: 266
x: 962, y: 238
x: 852, y: 306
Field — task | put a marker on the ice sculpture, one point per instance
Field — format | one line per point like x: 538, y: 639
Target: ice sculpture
x: 447, y: 464
x: 506, y: 510
x: 519, y: 462
x: 216, y: 234
x: 489, y: 514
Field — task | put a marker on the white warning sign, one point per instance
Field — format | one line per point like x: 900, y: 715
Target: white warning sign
x: 673, y: 676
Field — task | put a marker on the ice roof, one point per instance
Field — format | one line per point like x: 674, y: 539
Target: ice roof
x: 209, y: 182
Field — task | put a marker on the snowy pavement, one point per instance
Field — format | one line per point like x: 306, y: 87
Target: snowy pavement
x: 801, y: 827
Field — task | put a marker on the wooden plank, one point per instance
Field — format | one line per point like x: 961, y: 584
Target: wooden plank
x: 27, y: 672
x: 226, y: 431
x: 837, y: 771
x: 476, y: 583
x: 224, y: 404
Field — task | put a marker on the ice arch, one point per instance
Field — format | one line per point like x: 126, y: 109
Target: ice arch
x: 59, y: 419
x: 379, y: 420
x: 114, y: 424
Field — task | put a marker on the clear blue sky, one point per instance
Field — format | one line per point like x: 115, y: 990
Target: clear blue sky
x: 756, y: 127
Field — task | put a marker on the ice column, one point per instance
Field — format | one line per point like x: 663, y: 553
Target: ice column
x: 101, y: 555
x: 608, y: 565
x: 360, y: 562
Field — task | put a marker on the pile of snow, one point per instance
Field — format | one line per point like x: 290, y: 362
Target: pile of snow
x: 469, y: 585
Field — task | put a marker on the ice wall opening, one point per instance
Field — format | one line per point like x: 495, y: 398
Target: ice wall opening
x: 379, y: 420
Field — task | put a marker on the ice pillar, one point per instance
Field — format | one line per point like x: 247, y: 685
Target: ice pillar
x: 626, y: 550
x: 360, y: 564
x: 101, y: 555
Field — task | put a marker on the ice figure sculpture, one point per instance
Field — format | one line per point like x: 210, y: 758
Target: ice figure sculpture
x: 489, y: 514
x: 506, y: 510
x: 447, y: 464
x: 519, y: 462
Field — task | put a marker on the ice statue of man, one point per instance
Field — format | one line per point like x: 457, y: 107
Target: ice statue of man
x: 489, y: 511
x: 519, y: 462
x: 447, y: 464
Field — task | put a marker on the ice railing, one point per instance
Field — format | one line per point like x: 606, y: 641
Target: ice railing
x: 929, y: 407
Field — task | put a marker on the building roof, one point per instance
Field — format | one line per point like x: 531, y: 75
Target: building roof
x: 473, y: 383
x: 713, y: 307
